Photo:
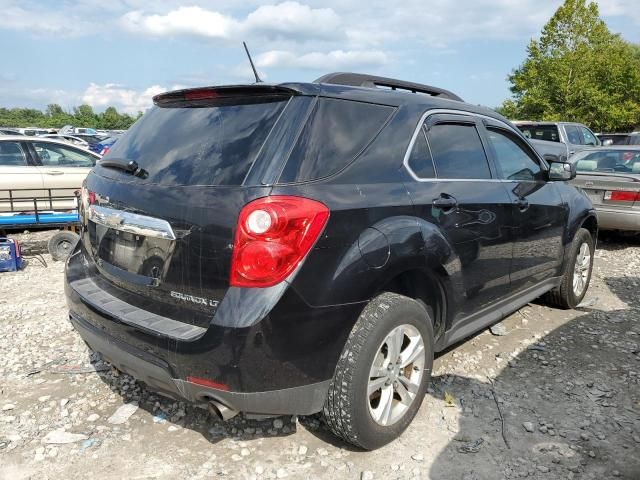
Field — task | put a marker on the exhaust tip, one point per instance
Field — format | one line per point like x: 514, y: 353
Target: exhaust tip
x: 223, y: 412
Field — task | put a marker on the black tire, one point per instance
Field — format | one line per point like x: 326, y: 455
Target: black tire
x: 62, y: 244
x: 346, y: 410
x: 563, y: 296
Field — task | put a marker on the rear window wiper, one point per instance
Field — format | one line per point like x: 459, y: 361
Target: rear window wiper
x: 127, y: 166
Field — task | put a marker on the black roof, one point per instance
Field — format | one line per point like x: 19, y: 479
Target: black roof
x: 352, y: 86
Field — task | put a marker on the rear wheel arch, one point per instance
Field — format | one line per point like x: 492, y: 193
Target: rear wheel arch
x: 426, y: 286
x: 591, y: 224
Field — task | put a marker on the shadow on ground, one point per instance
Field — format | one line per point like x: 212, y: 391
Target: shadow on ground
x: 575, y: 389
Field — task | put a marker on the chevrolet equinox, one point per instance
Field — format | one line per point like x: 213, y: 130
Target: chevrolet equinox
x: 308, y: 247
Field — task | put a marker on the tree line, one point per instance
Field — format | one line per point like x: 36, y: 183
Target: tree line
x: 578, y: 70
x: 55, y: 116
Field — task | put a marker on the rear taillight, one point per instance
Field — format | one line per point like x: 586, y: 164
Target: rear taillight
x: 87, y: 198
x: 273, y: 235
x: 104, y: 151
x: 621, y: 196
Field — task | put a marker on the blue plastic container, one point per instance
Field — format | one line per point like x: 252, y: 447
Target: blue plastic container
x: 10, y: 258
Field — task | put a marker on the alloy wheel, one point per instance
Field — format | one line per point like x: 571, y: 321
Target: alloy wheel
x: 581, y: 269
x: 396, y: 374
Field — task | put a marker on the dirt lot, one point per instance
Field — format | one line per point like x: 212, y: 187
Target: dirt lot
x: 556, y: 396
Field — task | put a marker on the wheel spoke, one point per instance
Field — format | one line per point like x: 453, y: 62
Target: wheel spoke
x: 375, y: 385
x: 394, y: 343
x: 383, y: 411
x: 408, y: 384
x: 376, y: 372
x: 412, y: 352
x: 405, y: 397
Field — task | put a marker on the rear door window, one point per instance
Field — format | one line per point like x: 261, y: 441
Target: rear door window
x: 336, y: 132
x: 11, y: 155
x: 458, y: 152
x: 208, y: 145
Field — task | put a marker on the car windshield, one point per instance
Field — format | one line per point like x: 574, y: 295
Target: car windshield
x: 540, y: 132
x: 604, y: 160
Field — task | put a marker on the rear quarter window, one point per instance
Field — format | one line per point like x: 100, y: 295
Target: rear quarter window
x: 336, y: 132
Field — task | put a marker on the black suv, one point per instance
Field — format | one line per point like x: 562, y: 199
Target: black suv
x: 307, y: 247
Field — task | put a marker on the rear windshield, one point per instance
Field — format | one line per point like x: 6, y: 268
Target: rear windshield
x: 214, y: 145
x: 540, y: 132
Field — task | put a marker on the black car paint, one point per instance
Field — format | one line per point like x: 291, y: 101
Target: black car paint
x: 382, y: 224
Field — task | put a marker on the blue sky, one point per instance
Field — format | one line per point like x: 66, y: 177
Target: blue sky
x: 122, y: 52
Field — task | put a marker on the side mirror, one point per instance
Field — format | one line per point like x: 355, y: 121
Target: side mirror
x: 561, y: 171
x: 607, y: 142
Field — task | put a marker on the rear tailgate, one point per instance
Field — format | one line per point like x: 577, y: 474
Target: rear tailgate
x: 160, y: 241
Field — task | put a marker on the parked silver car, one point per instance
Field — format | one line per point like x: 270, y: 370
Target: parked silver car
x: 574, y: 136
x: 610, y: 176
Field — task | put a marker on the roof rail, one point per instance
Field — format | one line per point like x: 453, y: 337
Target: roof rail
x: 372, y: 81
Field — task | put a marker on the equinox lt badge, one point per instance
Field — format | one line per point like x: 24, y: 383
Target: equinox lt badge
x: 198, y: 300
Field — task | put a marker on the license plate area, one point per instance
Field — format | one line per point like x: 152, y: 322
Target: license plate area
x: 142, y: 256
x: 595, y: 195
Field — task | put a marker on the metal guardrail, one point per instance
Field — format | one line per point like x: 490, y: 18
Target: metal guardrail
x: 44, y: 213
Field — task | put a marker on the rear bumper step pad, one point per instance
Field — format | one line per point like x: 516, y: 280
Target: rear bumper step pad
x: 124, y: 312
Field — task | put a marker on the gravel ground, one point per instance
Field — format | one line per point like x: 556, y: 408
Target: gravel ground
x: 550, y: 394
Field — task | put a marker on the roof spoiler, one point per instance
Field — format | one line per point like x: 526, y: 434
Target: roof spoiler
x: 372, y: 81
x: 223, y: 94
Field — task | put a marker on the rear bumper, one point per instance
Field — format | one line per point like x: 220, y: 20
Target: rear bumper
x: 609, y: 219
x: 154, y: 372
x: 280, y: 364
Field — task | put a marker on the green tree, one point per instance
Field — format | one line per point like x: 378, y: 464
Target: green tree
x: 110, y: 119
x: 83, y: 116
x: 54, y: 116
x: 57, y: 116
x: 578, y: 71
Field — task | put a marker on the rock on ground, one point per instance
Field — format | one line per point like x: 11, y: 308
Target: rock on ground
x: 562, y: 386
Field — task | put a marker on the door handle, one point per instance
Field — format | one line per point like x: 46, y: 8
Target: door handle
x: 445, y: 202
x: 522, y: 204
x: 54, y: 172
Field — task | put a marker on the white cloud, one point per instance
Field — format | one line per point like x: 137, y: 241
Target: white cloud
x: 42, y: 22
x: 336, y: 59
x: 124, y: 99
x: 620, y: 8
x: 285, y: 20
x: 184, y: 20
x: 291, y: 19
